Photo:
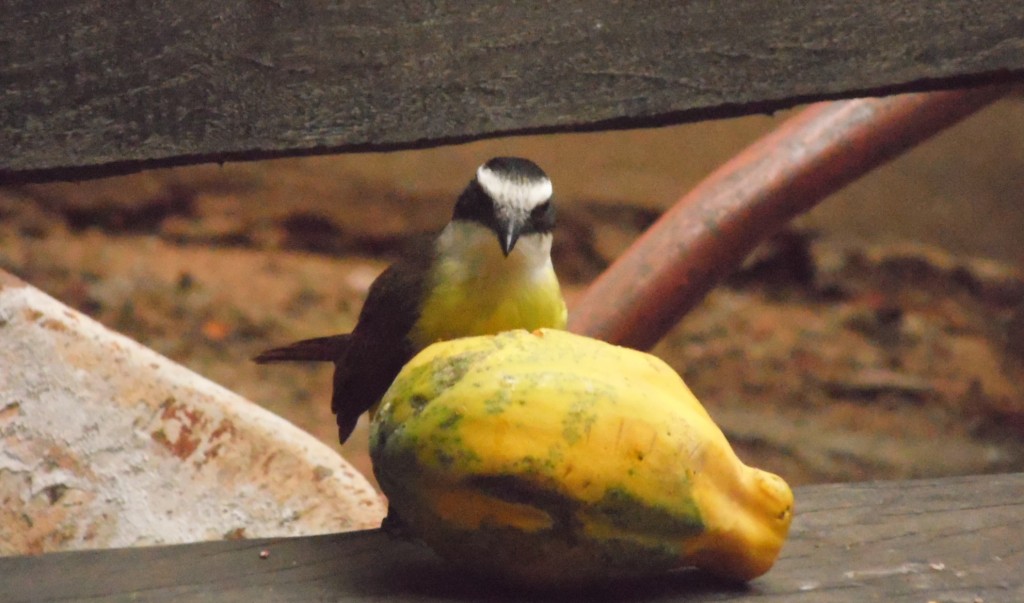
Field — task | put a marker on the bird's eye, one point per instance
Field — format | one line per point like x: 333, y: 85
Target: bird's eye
x: 538, y: 212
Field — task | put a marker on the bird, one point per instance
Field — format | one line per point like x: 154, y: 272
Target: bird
x: 488, y: 270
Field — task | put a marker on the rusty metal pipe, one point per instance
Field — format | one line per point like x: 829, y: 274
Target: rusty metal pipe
x: 709, y: 231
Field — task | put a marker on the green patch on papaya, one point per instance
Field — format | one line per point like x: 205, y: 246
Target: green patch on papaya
x: 493, y: 549
x: 434, y: 417
x: 412, y: 387
x: 418, y: 402
x: 449, y: 451
x: 633, y: 557
x: 395, y: 457
x: 624, y: 510
x: 516, y: 489
x: 429, y: 379
x: 378, y: 436
x: 452, y: 369
x: 578, y: 421
x: 507, y: 552
x: 442, y: 441
x: 496, y: 404
x: 534, y: 468
x: 531, y: 489
x: 454, y: 418
x: 444, y: 458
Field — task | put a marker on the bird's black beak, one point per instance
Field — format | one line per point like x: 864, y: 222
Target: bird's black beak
x: 508, y: 234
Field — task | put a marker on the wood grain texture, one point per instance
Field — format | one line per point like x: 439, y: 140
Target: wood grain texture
x: 93, y: 88
x: 953, y: 539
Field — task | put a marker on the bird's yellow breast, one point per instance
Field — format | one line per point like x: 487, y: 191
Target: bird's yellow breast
x: 476, y: 290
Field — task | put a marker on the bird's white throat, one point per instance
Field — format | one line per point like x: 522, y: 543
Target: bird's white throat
x: 471, y: 251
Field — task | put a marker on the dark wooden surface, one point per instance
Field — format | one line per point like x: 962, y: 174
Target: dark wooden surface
x: 98, y: 87
x: 955, y: 539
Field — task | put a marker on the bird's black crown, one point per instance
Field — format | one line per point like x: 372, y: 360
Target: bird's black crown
x: 516, y: 168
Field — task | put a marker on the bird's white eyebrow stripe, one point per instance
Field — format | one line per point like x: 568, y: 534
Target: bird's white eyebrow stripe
x: 522, y: 193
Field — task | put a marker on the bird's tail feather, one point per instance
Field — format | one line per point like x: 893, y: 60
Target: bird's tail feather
x: 319, y: 349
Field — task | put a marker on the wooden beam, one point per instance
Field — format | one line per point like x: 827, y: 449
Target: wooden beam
x: 94, y: 88
x: 952, y: 539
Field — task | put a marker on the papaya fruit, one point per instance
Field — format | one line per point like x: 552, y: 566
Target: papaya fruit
x: 552, y: 459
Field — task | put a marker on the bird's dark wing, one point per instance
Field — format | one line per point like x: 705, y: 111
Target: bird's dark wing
x: 379, y: 344
x: 367, y: 360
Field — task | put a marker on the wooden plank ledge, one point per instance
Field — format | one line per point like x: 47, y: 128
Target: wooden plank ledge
x: 950, y: 539
x: 93, y: 90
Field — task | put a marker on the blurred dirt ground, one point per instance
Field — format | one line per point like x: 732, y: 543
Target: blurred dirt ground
x: 881, y: 336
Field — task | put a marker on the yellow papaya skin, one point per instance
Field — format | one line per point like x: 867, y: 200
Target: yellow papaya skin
x: 551, y: 459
